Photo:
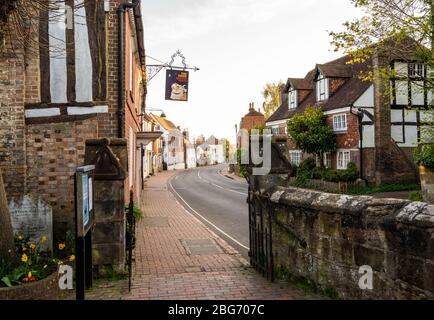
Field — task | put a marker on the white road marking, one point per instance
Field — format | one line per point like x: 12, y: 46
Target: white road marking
x: 205, y: 219
x: 216, y: 185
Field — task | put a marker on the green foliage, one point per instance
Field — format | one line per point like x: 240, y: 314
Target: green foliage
x: 424, y: 155
x: 271, y: 95
x: 243, y: 167
x: 138, y: 214
x: 307, y: 165
x: 384, y: 188
x: 31, y: 263
x: 309, y: 171
x: 310, y: 132
x: 416, y: 196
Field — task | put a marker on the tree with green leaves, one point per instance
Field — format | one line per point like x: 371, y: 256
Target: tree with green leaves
x: 311, y: 134
x: 405, y: 28
x: 271, y: 95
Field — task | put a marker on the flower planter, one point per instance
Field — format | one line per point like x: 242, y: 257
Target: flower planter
x: 44, y: 289
x: 427, y: 183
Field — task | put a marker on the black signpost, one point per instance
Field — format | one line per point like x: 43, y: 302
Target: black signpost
x: 84, y: 221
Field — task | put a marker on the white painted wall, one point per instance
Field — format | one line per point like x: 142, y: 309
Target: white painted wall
x: 57, y: 42
x: 366, y: 102
x: 83, y: 60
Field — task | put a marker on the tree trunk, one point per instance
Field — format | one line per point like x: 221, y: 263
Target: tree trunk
x: 6, y: 233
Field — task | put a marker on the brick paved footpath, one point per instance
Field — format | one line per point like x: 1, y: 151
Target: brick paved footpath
x: 164, y: 270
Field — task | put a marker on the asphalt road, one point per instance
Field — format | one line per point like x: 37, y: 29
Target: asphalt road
x: 216, y: 200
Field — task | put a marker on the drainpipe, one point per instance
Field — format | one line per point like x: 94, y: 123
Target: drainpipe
x: 359, y: 115
x: 121, y: 61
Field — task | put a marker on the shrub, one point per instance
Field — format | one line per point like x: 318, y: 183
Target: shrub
x: 243, y: 167
x: 416, y: 196
x: 307, y: 165
x: 425, y: 156
x: 350, y: 174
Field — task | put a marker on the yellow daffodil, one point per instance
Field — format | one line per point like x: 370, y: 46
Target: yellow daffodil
x: 43, y: 239
x: 61, y: 246
x: 72, y: 258
x: 29, y: 275
x: 32, y: 246
x: 24, y: 258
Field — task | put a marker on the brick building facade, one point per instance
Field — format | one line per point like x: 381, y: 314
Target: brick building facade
x: 53, y: 100
x: 378, y: 135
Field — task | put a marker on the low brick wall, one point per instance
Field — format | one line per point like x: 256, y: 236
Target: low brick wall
x: 45, y: 289
x: 337, y: 234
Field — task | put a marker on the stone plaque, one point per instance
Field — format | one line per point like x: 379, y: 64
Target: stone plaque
x: 33, y: 216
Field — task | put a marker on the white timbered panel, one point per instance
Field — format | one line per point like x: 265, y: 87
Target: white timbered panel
x: 368, y: 136
x: 366, y: 99
x: 396, y: 116
x: 410, y: 115
x: 417, y: 94
x: 83, y: 60
x: 397, y: 133
x: 57, y: 42
x: 401, y: 91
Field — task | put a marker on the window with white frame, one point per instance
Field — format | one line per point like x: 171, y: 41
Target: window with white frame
x: 327, y: 160
x: 343, y: 157
x: 416, y: 70
x: 295, y: 157
x: 322, y: 89
x: 292, y: 99
x: 340, y: 122
x: 275, y: 130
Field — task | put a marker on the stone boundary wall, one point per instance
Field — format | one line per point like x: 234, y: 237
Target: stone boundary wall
x: 337, y: 234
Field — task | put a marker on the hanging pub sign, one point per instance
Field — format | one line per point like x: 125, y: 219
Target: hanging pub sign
x: 177, y: 85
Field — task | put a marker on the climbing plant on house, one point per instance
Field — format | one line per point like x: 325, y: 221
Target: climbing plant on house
x: 310, y: 132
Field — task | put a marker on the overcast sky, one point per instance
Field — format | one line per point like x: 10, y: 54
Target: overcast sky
x: 239, y: 45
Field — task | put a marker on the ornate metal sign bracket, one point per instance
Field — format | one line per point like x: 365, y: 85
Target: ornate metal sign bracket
x: 154, y: 69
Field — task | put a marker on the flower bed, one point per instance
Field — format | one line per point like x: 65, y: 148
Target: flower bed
x: 44, y: 289
x: 33, y: 272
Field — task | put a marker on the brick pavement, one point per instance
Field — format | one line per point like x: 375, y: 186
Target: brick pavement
x: 164, y: 270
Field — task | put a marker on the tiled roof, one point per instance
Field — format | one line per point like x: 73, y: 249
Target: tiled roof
x: 345, y: 96
x: 166, y: 124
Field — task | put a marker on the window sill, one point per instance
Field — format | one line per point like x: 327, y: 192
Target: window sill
x: 340, y: 131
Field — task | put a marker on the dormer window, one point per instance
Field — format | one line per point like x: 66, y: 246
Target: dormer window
x: 416, y: 70
x: 292, y: 99
x: 322, y: 88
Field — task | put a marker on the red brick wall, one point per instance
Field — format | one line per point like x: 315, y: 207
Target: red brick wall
x: 54, y: 150
x: 12, y: 95
x: 132, y: 110
x: 252, y: 122
x: 350, y: 138
x: 108, y: 123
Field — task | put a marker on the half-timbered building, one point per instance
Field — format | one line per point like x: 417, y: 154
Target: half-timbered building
x: 84, y: 79
x: 378, y: 134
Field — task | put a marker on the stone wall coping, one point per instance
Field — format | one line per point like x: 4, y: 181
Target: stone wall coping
x: 402, y: 211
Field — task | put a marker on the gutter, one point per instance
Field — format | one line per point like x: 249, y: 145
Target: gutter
x: 121, y: 64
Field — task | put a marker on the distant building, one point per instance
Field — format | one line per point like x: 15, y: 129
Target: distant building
x: 211, y: 152
x: 189, y: 152
x: 253, y: 119
x: 172, y: 143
